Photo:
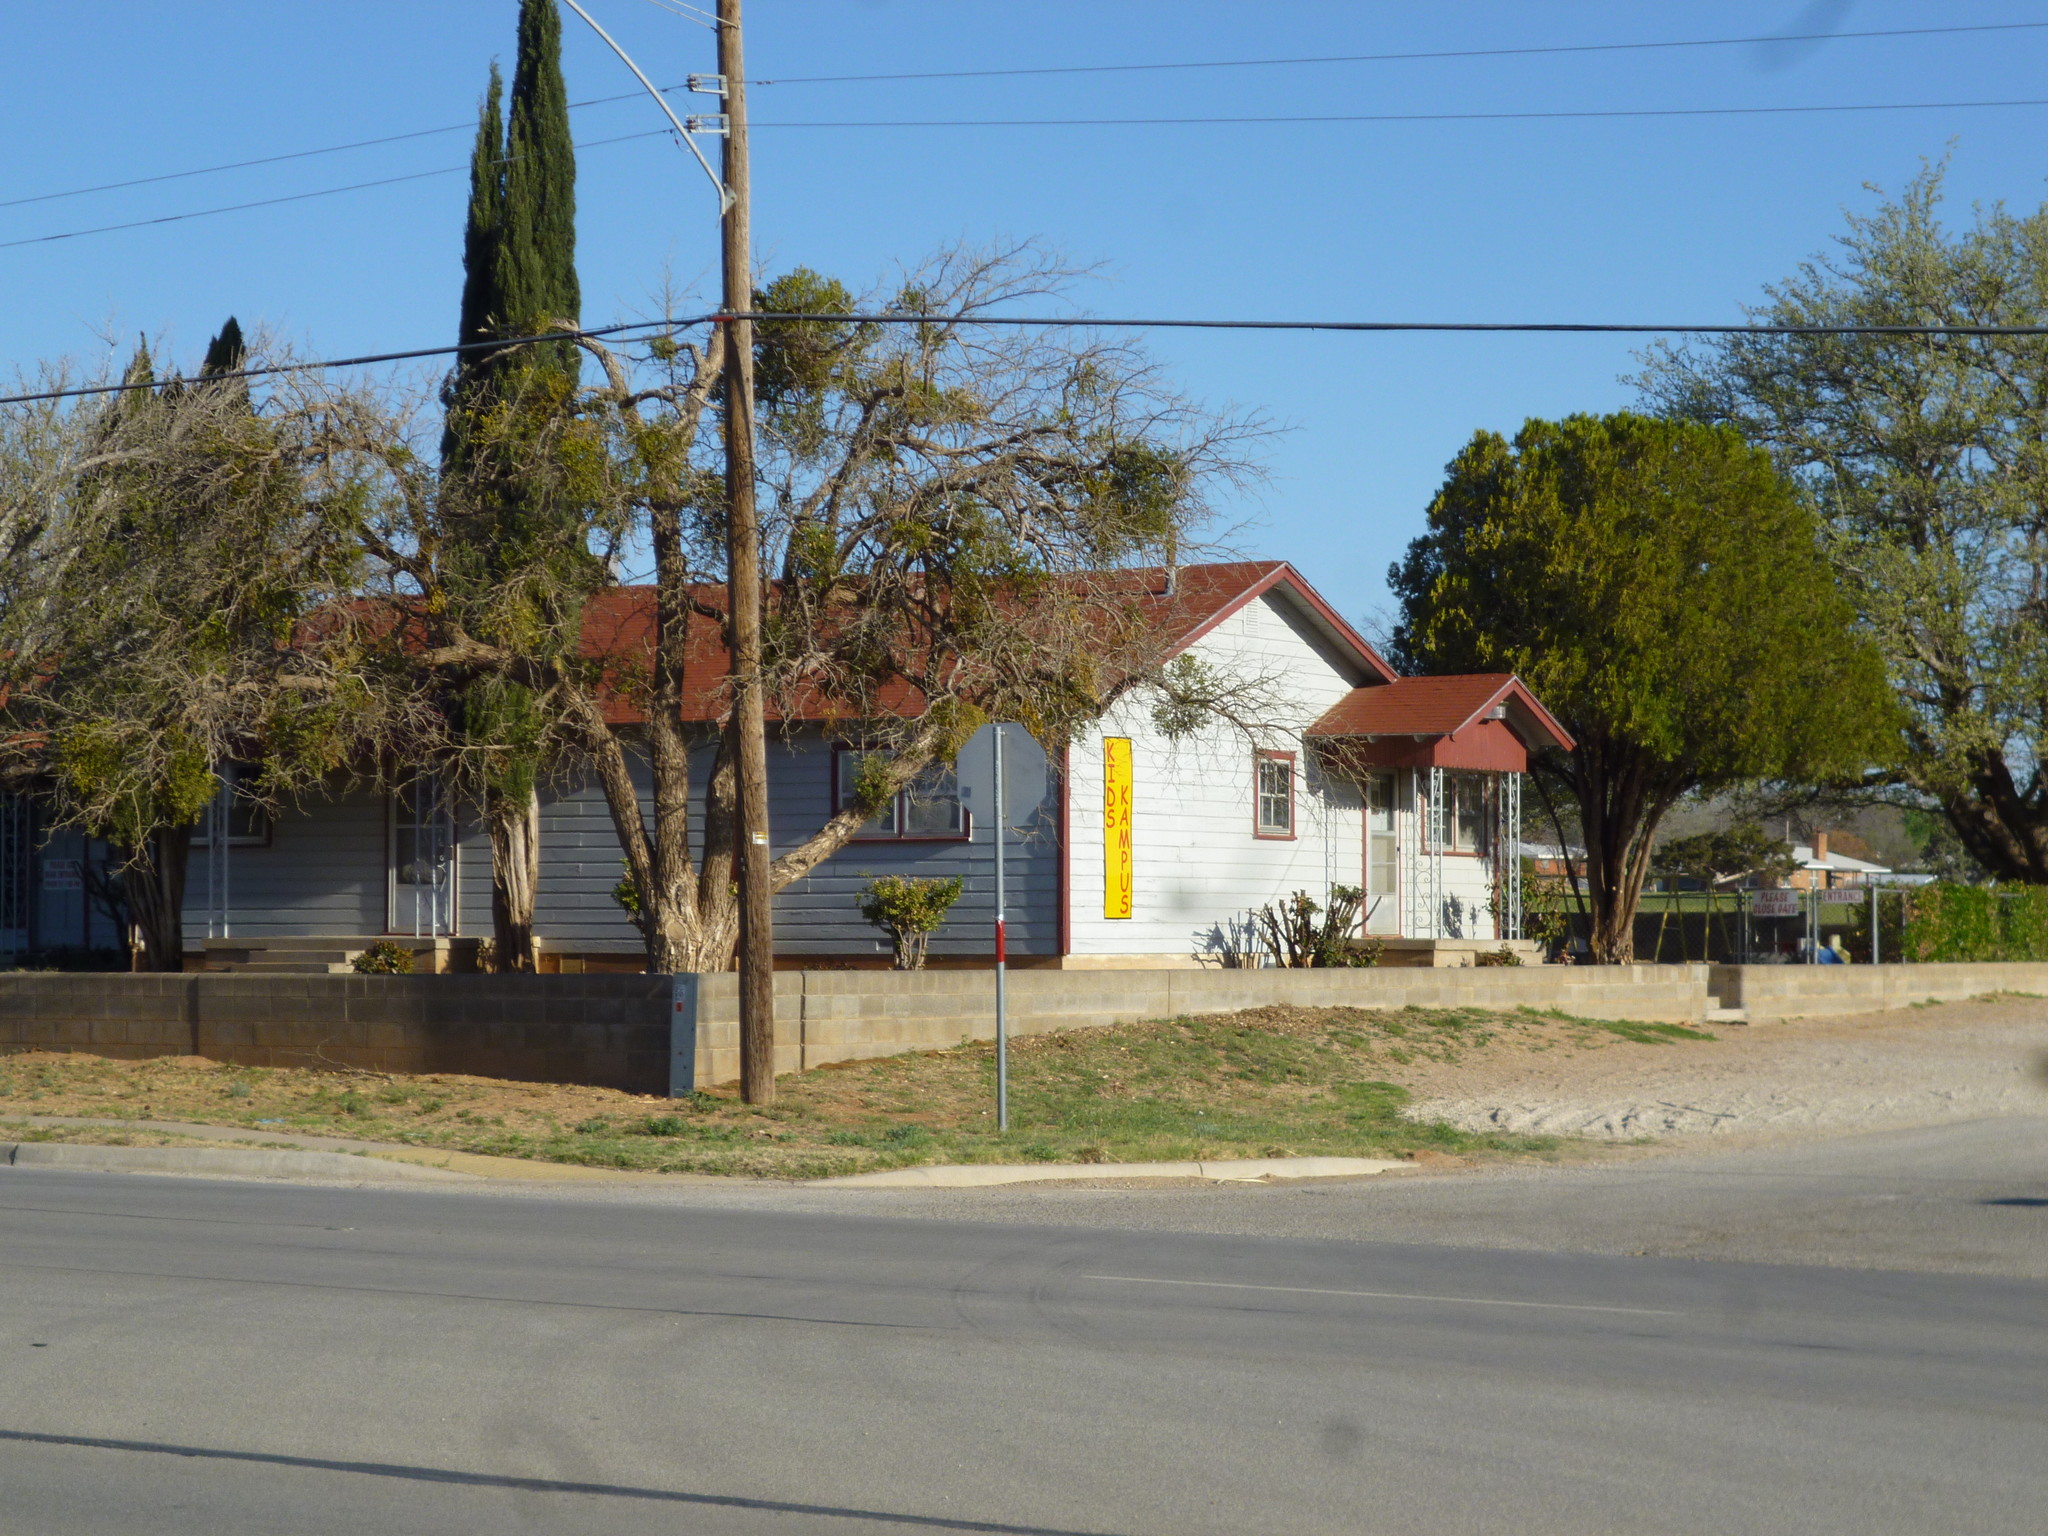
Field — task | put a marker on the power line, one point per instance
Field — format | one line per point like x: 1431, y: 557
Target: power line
x: 1233, y: 120
x: 297, y: 154
x: 293, y: 197
x: 1070, y: 322
x: 1089, y: 122
x: 1070, y: 69
x: 1390, y: 58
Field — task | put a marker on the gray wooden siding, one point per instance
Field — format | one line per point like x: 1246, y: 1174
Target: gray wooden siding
x: 324, y: 872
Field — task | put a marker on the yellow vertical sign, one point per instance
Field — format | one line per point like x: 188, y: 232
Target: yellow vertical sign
x: 1117, y: 873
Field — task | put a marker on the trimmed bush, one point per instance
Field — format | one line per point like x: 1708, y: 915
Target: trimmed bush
x: 1975, y: 923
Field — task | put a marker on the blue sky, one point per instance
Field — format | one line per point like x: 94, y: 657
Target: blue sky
x: 1616, y: 219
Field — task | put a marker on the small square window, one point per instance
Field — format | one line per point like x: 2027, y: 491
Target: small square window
x: 931, y: 805
x: 1275, y: 773
x: 248, y: 824
x: 847, y: 769
x: 928, y: 808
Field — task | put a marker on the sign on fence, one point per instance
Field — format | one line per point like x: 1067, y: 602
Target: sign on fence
x: 1774, y: 903
x: 1844, y: 896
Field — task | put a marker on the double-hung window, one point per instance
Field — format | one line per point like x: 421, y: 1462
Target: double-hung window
x: 1273, y: 781
x: 1467, y: 811
x: 926, y: 809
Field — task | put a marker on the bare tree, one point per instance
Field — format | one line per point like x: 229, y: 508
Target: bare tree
x: 961, y: 518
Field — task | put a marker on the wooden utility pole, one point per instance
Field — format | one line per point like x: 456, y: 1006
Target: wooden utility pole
x: 743, y: 590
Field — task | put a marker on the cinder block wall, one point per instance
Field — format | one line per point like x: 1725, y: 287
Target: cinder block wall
x: 1772, y: 992
x: 828, y: 1016
x: 605, y: 1031
x: 613, y: 1030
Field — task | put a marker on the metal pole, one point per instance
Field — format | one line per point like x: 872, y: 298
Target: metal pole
x: 1873, y: 922
x: 1002, y: 997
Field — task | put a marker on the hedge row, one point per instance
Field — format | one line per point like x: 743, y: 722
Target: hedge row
x: 1975, y: 923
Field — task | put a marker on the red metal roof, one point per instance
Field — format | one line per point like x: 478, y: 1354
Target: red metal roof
x: 618, y: 622
x: 1441, y: 706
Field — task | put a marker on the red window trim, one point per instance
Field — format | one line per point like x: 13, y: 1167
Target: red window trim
x: 840, y: 751
x: 1292, y: 834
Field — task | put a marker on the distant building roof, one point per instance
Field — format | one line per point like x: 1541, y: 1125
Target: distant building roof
x: 1835, y: 863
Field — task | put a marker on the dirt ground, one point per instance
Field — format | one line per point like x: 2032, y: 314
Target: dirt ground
x: 1457, y: 1084
x: 1914, y: 1066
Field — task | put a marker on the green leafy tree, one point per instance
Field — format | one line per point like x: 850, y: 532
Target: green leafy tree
x: 1928, y: 458
x: 175, y: 540
x: 507, y: 519
x: 1664, y: 591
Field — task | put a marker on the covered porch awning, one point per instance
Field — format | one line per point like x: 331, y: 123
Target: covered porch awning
x: 1479, y: 720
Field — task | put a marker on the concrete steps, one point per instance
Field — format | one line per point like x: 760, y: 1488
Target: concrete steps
x: 321, y: 957
x: 331, y: 955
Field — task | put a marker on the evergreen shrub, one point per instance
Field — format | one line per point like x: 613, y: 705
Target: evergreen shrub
x: 1951, y: 922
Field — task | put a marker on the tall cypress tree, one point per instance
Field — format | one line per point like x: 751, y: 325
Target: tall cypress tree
x: 519, y: 237
x: 536, y: 253
x: 519, y: 275
x: 226, y: 352
x: 480, y: 238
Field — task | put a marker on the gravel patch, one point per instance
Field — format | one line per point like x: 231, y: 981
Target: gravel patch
x: 1917, y: 1066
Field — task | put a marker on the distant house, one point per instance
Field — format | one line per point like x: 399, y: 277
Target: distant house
x: 1143, y: 847
x: 1821, y: 868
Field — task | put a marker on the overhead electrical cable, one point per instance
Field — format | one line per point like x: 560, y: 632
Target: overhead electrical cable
x: 1235, y: 120
x: 295, y: 197
x: 297, y: 154
x: 1068, y: 322
x: 1087, y: 122
x: 1060, y: 69
x: 1400, y: 58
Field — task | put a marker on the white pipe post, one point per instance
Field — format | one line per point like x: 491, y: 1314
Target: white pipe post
x: 1002, y: 998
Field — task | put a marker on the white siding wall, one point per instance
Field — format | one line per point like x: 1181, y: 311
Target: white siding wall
x: 1199, y: 867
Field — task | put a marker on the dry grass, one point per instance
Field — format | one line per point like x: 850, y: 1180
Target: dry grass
x: 1267, y: 1082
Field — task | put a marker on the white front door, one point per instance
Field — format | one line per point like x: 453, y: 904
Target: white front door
x: 422, y: 872
x: 1382, y: 866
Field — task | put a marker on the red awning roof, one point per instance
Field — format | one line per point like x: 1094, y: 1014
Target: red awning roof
x: 1442, y: 706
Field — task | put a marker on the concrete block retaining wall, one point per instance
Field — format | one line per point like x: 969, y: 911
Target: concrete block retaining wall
x: 613, y: 1030
x: 828, y: 1016
x: 606, y: 1031
x: 1771, y: 992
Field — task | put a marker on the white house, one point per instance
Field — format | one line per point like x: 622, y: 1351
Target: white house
x: 1138, y: 847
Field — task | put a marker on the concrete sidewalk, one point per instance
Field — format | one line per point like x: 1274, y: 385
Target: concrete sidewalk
x: 283, y: 1154
x: 1230, y: 1170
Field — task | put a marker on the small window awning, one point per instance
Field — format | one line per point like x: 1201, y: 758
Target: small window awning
x: 1482, y: 720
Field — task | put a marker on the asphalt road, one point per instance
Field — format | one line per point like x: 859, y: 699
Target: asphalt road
x: 182, y: 1356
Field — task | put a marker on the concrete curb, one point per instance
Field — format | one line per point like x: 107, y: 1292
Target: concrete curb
x: 221, y: 1162
x: 1234, y: 1170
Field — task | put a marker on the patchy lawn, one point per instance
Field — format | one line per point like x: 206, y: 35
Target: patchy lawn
x: 1268, y: 1082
